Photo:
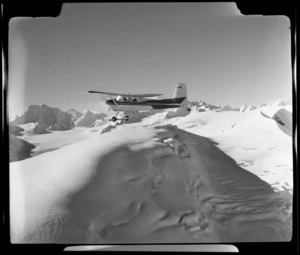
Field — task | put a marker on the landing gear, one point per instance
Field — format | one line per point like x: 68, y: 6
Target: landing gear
x: 115, y: 118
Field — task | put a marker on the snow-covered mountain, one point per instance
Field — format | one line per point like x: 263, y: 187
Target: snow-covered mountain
x: 75, y: 114
x: 40, y: 119
x: 89, y: 119
x: 246, y: 108
x: 200, y: 106
x: 227, y: 107
x: 44, y: 117
x: 201, y: 178
x: 283, y: 102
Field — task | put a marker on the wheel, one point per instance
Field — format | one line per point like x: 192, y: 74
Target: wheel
x: 126, y: 118
x: 114, y: 119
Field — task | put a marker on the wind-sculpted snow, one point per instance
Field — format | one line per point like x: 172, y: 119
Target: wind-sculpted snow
x: 284, y: 121
x: 282, y: 117
x: 180, y: 112
x: 138, y: 185
x: 109, y: 127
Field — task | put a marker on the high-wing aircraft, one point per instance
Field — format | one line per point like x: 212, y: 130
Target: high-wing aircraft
x: 141, y: 102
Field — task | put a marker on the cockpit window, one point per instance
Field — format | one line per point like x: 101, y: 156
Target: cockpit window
x: 132, y: 99
x: 125, y: 99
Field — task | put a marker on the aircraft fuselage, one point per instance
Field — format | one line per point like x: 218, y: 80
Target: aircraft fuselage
x: 151, y: 104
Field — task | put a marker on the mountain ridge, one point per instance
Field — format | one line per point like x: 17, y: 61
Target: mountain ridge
x: 45, y: 118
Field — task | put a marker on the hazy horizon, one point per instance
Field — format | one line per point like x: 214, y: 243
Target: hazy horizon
x: 222, y: 56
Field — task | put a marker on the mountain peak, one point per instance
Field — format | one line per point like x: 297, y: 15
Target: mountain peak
x: 89, y: 118
x: 44, y: 117
x: 283, y: 102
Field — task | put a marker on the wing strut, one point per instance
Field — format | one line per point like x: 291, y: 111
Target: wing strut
x: 113, y: 100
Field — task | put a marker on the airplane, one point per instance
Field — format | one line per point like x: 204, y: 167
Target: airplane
x: 142, y: 102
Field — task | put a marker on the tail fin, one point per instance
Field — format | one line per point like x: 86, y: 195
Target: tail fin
x: 180, y: 91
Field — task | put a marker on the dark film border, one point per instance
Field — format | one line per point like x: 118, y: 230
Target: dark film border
x: 11, y: 9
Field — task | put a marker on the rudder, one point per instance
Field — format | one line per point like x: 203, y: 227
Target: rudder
x: 180, y: 90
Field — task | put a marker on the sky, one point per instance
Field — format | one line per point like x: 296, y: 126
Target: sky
x: 223, y: 56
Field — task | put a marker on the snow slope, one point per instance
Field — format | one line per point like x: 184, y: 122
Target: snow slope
x: 163, y: 176
x: 265, y: 150
x: 142, y: 184
x: 255, y: 142
x: 55, y: 140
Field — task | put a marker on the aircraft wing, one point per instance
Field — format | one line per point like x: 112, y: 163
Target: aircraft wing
x: 124, y: 95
